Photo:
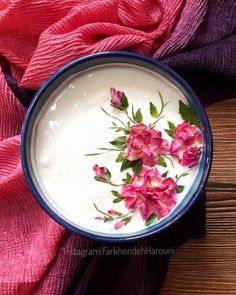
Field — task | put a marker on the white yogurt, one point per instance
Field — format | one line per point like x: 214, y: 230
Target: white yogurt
x: 71, y: 124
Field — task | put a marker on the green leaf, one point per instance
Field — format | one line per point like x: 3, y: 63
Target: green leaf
x: 128, y: 178
x: 120, y: 157
x: 164, y: 174
x: 184, y: 111
x: 170, y: 133
x: 127, y: 164
x: 162, y: 161
x: 116, y: 194
x: 137, y: 167
x: 193, y: 119
x: 171, y: 130
x: 117, y: 200
x: 138, y: 117
x: 114, y: 124
x: 150, y: 219
x: 119, y: 129
x: 106, y: 149
x: 93, y: 154
x: 124, y: 102
x: 172, y: 126
x: 120, y: 139
x: 153, y: 110
x: 101, y: 179
x: 127, y: 220
x: 179, y: 189
x: 108, y: 174
x: 119, y: 142
x: 106, y: 219
x: 187, y: 114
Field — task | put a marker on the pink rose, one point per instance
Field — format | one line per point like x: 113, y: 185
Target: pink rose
x: 186, y: 146
x: 146, y: 144
x: 150, y: 194
x: 99, y: 171
x: 116, y: 96
x: 190, y: 157
x: 188, y: 134
x: 118, y: 99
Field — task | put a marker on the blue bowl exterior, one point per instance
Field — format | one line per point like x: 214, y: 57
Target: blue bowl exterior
x: 116, y: 57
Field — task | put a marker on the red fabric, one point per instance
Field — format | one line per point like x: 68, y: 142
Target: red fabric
x: 41, y: 36
x: 37, y: 37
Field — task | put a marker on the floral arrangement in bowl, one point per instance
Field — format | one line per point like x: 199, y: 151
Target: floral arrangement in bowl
x: 142, y: 148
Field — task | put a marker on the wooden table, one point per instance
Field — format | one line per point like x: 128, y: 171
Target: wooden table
x: 208, y: 266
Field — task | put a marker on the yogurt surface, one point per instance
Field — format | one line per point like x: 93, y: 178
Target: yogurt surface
x: 72, y: 124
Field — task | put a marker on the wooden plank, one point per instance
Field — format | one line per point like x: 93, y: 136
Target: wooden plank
x: 208, y: 265
x: 222, y: 118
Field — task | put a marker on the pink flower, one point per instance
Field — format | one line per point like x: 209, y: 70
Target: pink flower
x: 146, y: 144
x: 119, y: 224
x: 99, y: 218
x: 113, y: 212
x: 150, y: 194
x: 116, y: 96
x: 186, y: 146
x: 190, y: 157
x: 187, y: 134
x: 99, y: 171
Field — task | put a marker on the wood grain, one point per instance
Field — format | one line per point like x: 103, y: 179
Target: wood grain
x: 208, y: 266
x: 222, y: 118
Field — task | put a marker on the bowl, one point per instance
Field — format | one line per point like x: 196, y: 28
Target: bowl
x: 51, y: 86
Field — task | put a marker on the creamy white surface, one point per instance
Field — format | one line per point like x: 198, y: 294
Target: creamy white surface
x: 72, y: 124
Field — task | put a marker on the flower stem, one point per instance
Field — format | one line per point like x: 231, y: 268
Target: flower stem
x: 111, y: 217
x: 154, y: 123
x: 108, y: 149
x: 124, y: 215
x: 102, y: 149
x: 100, y: 211
x: 127, y: 114
x: 113, y: 117
x: 167, y: 157
x: 113, y: 184
x: 163, y: 105
x: 182, y: 175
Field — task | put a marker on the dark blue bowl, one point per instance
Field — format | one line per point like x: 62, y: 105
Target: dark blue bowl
x: 100, y: 59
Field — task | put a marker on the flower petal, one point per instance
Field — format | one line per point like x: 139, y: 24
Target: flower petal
x: 118, y: 224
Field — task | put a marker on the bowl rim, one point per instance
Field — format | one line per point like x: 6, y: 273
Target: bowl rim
x: 99, y: 235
